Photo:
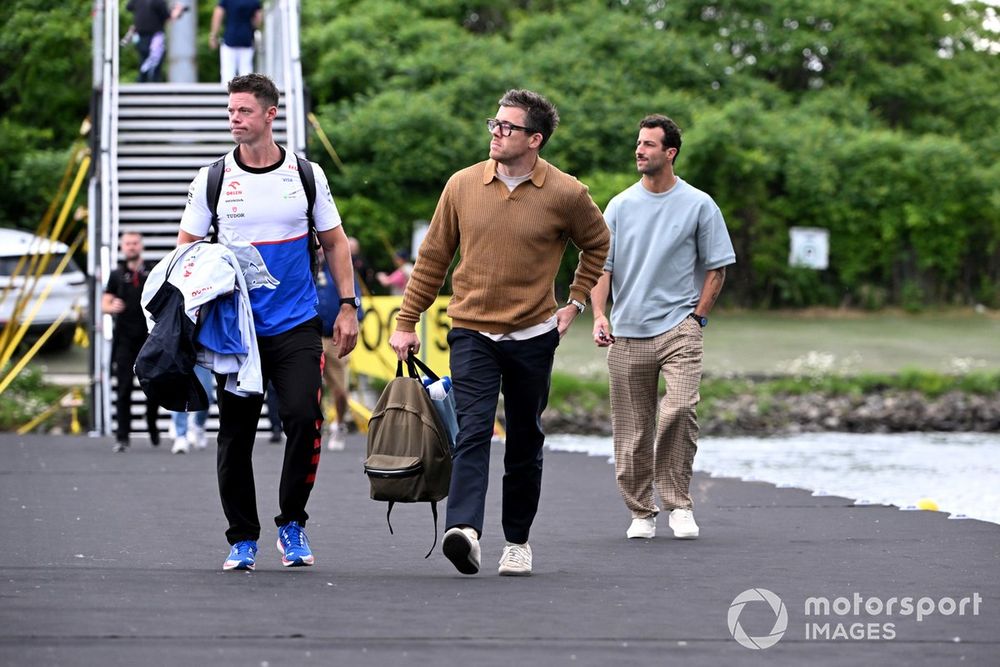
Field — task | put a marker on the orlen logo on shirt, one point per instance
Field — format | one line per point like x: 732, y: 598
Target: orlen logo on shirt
x: 202, y: 290
x: 234, y: 189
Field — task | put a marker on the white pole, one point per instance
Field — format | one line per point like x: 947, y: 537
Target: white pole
x: 182, y: 46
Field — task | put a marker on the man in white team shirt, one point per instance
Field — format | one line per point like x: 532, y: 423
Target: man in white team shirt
x: 262, y: 213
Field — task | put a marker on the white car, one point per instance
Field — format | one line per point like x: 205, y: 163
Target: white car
x: 68, y: 294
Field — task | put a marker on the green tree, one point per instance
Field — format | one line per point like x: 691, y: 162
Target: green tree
x: 875, y: 120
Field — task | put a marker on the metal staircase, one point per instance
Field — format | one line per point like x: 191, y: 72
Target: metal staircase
x: 150, y: 141
x: 166, y: 132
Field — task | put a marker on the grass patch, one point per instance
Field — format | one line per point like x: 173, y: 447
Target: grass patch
x: 28, y: 396
x: 570, y: 393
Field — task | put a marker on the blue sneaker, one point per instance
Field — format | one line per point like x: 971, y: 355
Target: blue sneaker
x: 241, y: 556
x: 294, y: 546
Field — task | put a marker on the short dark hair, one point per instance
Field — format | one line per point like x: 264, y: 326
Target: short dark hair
x: 261, y: 86
x: 671, y: 133
x: 541, y: 115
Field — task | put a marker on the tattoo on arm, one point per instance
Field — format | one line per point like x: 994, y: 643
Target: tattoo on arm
x: 716, y: 279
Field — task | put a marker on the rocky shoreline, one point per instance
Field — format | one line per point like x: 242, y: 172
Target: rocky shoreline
x: 884, y: 412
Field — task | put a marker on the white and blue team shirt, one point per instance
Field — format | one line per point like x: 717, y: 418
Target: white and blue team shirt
x: 262, y: 219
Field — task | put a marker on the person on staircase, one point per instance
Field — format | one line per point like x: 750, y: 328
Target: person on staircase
x: 238, y: 19
x: 150, y: 18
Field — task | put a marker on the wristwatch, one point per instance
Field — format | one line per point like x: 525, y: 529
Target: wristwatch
x: 578, y: 304
x: 353, y: 301
x: 702, y: 321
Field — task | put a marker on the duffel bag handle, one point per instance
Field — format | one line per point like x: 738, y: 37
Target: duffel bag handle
x: 412, y: 361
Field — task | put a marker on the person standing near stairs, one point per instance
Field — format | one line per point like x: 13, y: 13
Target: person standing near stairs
x: 263, y: 213
x: 121, y: 300
x: 238, y: 19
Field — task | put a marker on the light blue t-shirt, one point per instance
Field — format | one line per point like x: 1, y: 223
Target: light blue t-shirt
x: 661, y: 247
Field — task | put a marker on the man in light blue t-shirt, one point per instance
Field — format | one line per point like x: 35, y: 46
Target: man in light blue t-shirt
x: 665, y: 267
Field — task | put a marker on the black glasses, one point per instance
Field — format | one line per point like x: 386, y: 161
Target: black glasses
x: 505, y: 127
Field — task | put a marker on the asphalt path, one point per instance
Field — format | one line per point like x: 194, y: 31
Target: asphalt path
x: 116, y: 560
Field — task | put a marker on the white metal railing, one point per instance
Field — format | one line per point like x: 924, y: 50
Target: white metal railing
x: 104, y: 236
x: 280, y: 58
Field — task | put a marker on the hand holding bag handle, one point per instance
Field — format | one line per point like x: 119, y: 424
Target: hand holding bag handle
x: 413, y: 363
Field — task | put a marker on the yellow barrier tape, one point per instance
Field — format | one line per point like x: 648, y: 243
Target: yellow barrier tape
x: 373, y: 356
x: 39, y: 419
x: 19, y: 366
x: 38, y: 262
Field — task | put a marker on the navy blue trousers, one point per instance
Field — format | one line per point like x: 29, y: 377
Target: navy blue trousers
x: 480, y: 370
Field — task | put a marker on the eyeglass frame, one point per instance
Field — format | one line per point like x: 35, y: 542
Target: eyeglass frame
x: 502, y: 124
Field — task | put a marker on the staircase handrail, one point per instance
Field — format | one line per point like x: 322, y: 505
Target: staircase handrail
x: 99, y: 265
x: 282, y: 61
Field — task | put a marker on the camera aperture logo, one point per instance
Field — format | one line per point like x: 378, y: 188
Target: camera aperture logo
x: 856, y: 617
x: 780, y: 618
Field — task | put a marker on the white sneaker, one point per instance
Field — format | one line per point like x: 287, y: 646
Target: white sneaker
x: 335, y: 442
x: 199, y: 437
x: 644, y: 529
x: 683, y: 525
x: 461, y: 547
x: 181, y: 445
x: 515, y: 560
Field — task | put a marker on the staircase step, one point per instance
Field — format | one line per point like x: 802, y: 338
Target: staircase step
x: 171, y: 88
x: 213, y: 112
x: 185, y: 137
x: 173, y: 125
x: 163, y: 162
x: 149, y: 215
x: 153, y: 228
x: 153, y: 187
x: 175, y: 149
x: 136, y: 175
x: 152, y: 201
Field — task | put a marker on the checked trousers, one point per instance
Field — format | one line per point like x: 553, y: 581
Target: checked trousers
x: 655, y: 444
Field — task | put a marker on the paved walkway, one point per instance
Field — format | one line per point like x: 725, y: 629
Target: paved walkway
x: 115, y: 560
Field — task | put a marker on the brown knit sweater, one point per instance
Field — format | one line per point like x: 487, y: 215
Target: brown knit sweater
x: 510, y: 245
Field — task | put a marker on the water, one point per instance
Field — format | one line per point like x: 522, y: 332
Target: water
x: 960, y: 472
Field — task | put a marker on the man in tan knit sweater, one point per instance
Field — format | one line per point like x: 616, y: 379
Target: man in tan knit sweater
x: 510, y: 218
